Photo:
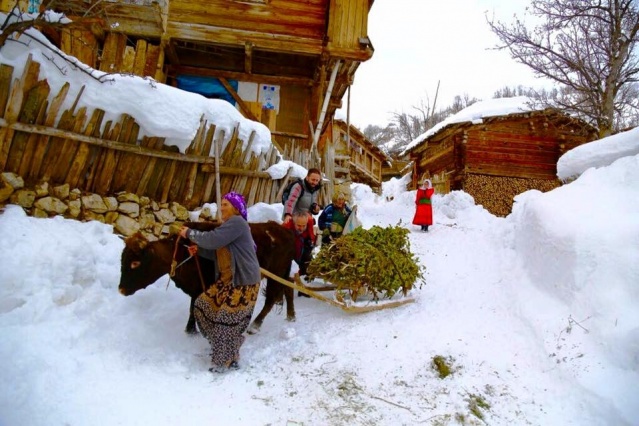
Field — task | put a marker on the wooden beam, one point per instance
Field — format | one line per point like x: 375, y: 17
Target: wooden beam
x: 207, y: 164
x: 226, y: 170
x: 363, y: 171
x: 243, y: 107
x: 255, y: 78
x: 289, y: 135
x: 335, y: 103
x: 118, y: 146
x: 248, y: 57
x: 327, y: 97
x: 238, y: 37
x: 374, y: 306
x: 170, y: 52
x: 360, y: 55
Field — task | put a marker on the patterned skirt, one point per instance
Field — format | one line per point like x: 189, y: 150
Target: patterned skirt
x: 223, y: 313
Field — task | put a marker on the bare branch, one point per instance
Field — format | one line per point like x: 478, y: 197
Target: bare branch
x: 588, y: 47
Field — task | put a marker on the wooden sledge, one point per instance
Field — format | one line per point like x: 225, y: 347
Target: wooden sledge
x: 313, y: 292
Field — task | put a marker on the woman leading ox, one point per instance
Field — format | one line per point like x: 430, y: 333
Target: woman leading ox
x: 224, y: 311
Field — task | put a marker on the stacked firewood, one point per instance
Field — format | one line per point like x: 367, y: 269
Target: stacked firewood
x: 496, y: 193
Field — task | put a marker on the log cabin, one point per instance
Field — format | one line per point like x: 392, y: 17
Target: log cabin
x: 496, y: 149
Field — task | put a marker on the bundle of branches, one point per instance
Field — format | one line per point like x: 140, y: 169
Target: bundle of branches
x: 376, y: 261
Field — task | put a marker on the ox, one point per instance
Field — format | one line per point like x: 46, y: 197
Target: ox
x: 144, y: 262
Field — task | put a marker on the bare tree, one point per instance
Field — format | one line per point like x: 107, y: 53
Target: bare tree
x: 511, y: 92
x: 379, y: 135
x: 589, y: 48
x: 459, y: 103
x: 407, y: 127
x: 404, y: 127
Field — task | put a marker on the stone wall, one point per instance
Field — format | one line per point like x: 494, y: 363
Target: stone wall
x: 127, y: 212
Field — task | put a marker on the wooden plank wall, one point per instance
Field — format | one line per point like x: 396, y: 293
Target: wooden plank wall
x: 294, y: 18
x: 145, y: 59
x: 518, y: 147
x: 80, y: 43
x: 348, y: 22
x: 8, y: 5
x: 511, y: 149
x: 108, y: 157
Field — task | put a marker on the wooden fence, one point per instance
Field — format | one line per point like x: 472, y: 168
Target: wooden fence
x: 106, y: 158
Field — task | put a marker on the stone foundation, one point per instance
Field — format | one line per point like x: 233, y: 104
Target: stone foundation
x: 126, y: 212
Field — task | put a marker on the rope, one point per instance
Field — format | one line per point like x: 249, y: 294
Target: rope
x: 199, y: 271
x: 174, y: 264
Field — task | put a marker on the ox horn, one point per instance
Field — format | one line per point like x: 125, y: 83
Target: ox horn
x: 142, y: 242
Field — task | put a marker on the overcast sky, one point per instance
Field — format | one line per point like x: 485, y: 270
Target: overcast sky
x: 420, y: 42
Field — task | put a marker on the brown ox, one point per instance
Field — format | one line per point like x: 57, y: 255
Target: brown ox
x: 144, y: 262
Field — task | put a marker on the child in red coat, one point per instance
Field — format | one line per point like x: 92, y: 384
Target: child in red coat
x: 424, y: 209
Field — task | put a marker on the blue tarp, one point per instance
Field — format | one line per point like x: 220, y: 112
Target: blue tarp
x: 206, y: 86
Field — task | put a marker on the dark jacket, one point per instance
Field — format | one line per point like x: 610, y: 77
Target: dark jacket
x: 304, y: 241
x: 329, y: 215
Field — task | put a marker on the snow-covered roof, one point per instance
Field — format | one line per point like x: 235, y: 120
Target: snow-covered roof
x: 476, y: 113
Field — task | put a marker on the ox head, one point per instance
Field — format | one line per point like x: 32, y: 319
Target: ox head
x: 139, y: 267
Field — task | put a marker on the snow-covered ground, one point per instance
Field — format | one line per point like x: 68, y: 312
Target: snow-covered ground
x: 536, y: 313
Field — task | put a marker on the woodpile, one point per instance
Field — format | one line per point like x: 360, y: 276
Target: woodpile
x: 496, y: 193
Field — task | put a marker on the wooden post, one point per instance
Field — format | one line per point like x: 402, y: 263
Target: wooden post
x: 280, y: 192
x: 327, y: 98
x: 218, y: 187
x: 212, y: 177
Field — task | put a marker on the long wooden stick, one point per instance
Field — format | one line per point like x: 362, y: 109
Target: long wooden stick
x: 356, y: 309
x: 303, y: 289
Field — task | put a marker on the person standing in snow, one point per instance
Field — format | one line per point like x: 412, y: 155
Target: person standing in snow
x: 224, y: 311
x: 424, y: 210
x: 333, y: 218
x: 302, y: 227
x: 304, y: 195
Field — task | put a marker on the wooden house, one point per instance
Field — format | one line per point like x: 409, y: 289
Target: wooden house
x: 497, y: 150
x: 396, y: 169
x: 352, y: 157
x: 286, y: 63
